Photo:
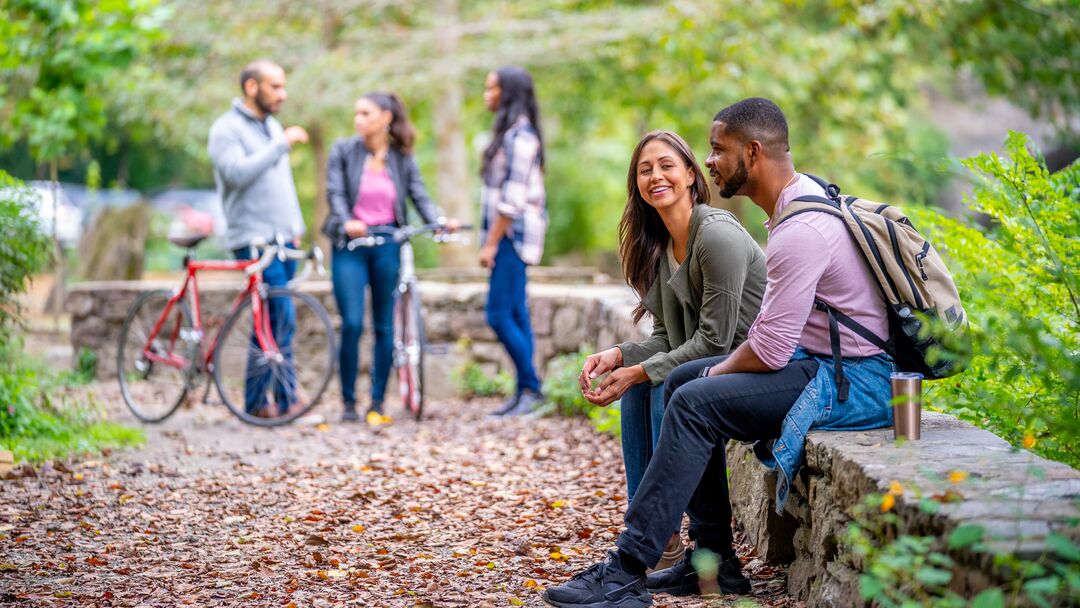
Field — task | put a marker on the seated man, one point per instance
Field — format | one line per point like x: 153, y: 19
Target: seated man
x: 775, y: 386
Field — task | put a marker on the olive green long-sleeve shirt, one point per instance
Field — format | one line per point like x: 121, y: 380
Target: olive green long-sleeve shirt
x: 706, y: 306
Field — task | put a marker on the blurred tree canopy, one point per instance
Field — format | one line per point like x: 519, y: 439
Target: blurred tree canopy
x: 851, y: 75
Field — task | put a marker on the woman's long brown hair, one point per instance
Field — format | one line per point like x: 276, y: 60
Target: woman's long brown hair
x: 643, y: 238
x: 402, y: 132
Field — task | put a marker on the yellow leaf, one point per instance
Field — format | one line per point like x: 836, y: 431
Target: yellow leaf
x: 358, y: 528
x: 895, y: 488
x: 77, y: 476
x: 558, y: 556
x: 957, y: 476
x: 1029, y: 442
x: 126, y: 498
x: 322, y: 426
x: 887, y: 503
x: 558, y: 504
x: 323, y: 575
x: 531, y: 584
x: 490, y: 566
x: 516, y: 602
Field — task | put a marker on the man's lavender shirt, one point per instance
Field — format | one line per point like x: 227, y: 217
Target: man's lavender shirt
x: 812, y: 255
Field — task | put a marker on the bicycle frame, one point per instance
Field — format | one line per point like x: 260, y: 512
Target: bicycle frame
x: 263, y: 334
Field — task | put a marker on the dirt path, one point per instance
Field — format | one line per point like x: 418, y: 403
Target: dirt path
x: 454, y: 511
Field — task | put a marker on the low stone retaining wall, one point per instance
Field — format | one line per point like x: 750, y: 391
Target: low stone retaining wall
x: 564, y: 317
x: 1016, y: 496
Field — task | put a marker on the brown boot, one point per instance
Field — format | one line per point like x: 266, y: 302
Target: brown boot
x: 673, y: 552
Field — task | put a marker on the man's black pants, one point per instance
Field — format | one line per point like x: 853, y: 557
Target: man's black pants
x: 688, y: 471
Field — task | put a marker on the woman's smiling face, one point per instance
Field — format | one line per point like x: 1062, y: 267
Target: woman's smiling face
x: 663, y: 178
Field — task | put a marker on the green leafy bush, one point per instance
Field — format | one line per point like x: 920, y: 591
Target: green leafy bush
x: 36, y: 421
x: 909, y: 570
x: 1019, y: 280
x: 24, y: 246
x: 472, y: 381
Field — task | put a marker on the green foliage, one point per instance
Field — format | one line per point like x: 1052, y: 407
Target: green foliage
x: 58, y: 60
x: 907, y: 570
x: 38, y: 422
x: 472, y: 381
x: 24, y: 248
x: 1019, y: 280
x: 1024, y: 51
x: 564, y: 394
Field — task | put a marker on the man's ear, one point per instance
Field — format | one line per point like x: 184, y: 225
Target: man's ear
x: 251, y: 87
x: 754, y: 151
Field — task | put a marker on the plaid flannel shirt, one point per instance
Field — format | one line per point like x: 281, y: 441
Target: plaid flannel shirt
x: 514, y: 187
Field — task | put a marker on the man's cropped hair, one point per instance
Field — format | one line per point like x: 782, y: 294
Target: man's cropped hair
x: 755, y: 118
x: 256, y: 69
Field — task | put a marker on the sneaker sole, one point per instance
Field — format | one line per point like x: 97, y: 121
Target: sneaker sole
x: 682, y: 591
x: 629, y: 602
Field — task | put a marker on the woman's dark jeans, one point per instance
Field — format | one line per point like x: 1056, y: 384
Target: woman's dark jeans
x: 352, y: 272
x: 508, y: 313
x: 688, y: 472
x: 642, y: 411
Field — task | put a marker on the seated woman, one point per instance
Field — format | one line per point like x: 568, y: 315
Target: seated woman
x: 699, y: 275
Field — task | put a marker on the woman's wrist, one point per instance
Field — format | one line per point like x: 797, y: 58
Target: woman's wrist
x: 618, y: 356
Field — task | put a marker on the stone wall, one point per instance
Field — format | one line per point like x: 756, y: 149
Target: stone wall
x: 565, y: 317
x: 1016, y: 496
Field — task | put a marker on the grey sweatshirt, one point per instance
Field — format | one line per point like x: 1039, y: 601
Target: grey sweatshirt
x: 253, y: 176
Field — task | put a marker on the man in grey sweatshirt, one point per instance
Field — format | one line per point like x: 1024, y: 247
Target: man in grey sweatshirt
x: 250, y: 152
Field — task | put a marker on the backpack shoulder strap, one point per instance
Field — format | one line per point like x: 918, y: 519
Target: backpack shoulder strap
x: 808, y: 203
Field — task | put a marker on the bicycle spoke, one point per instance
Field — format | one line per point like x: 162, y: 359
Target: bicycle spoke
x: 258, y: 387
x: 151, y: 390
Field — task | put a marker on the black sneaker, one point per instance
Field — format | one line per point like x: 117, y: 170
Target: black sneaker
x: 527, y: 402
x: 603, y: 585
x: 507, y: 405
x: 348, y: 413
x: 682, y: 578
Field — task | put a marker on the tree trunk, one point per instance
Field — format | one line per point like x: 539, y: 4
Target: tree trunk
x: 60, y: 272
x: 452, y: 177
x: 317, y: 138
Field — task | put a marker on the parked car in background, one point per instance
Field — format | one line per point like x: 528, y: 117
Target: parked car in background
x: 69, y: 217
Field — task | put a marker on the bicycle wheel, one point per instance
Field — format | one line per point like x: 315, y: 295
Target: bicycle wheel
x: 154, y: 381
x: 269, y: 389
x: 409, y: 341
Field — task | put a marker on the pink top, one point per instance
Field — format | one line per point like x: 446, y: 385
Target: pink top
x: 376, y: 198
x: 808, y: 255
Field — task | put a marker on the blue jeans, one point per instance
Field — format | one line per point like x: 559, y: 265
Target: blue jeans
x: 508, y: 313
x: 260, y: 373
x: 353, y: 271
x: 642, y: 411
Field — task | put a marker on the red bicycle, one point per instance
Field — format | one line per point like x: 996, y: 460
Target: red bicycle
x: 271, y: 360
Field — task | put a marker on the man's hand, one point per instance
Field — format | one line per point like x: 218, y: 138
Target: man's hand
x: 452, y: 224
x: 616, y: 384
x: 487, y: 256
x: 295, y: 134
x: 355, y: 229
x: 597, y: 365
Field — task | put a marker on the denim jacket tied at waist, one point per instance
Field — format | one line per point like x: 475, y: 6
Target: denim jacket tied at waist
x: 867, y: 407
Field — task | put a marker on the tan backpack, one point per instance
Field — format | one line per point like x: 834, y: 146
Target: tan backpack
x: 927, y: 324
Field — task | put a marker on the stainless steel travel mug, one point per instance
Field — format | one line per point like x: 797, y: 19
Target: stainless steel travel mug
x: 907, y: 405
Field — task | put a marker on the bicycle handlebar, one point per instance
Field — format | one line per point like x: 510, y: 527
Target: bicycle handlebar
x: 314, y: 257
x: 378, y: 236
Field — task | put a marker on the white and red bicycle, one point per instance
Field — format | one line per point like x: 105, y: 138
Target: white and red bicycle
x: 410, y: 339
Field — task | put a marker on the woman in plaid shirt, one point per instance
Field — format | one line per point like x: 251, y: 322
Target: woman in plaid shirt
x: 514, y: 222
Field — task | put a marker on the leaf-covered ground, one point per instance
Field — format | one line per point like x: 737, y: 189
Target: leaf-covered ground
x: 454, y: 511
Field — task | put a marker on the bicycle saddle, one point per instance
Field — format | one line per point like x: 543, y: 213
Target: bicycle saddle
x: 187, y: 241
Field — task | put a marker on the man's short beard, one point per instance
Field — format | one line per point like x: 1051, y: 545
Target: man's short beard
x: 731, y: 187
x: 261, y: 103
